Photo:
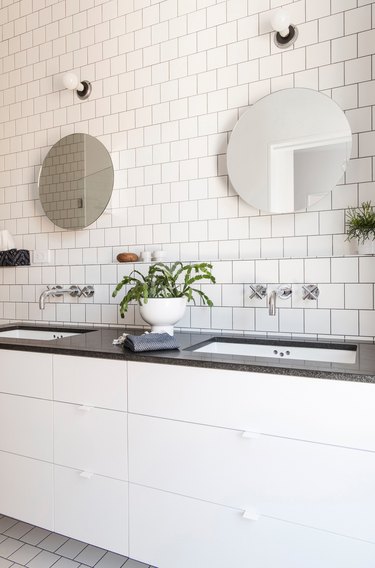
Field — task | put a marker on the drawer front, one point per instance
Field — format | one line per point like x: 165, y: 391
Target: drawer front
x: 321, y: 410
x: 91, y: 439
x: 168, y: 530
x: 302, y: 482
x: 94, y: 382
x: 94, y: 510
x: 28, y: 374
x: 26, y: 426
x: 26, y: 490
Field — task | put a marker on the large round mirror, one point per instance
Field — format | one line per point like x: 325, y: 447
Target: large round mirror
x: 289, y: 150
x: 76, y: 181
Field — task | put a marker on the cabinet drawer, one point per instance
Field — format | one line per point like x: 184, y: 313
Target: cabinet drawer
x: 94, y: 510
x: 29, y: 374
x: 320, y: 410
x: 26, y: 426
x: 279, y: 477
x: 94, y: 382
x: 167, y: 530
x: 91, y: 439
x: 26, y: 490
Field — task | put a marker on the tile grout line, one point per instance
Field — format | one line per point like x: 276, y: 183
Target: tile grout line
x: 45, y: 550
x: 60, y: 556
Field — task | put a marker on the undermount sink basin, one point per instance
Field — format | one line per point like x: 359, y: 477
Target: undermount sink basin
x: 38, y: 334
x: 323, y: 352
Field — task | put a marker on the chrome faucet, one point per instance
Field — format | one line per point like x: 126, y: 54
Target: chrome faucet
x: 272, y: 303
x: 57, y: 291
x: 259, y: 291
x: 283, y: 292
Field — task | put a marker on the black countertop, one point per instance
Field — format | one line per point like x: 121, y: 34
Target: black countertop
x: 97, y: 342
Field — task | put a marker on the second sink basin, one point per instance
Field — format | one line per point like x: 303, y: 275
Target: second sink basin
x: 36, y: 334
x: 321, y: 352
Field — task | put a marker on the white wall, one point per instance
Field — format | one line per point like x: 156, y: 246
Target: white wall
x: 170, y: 79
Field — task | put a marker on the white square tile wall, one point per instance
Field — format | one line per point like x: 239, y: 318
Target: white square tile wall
x: 170, y: 79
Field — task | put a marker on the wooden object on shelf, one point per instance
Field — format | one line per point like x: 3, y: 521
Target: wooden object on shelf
x: 127, y: 257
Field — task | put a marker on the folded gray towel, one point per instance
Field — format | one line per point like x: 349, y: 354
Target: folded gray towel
x: 150, y: 342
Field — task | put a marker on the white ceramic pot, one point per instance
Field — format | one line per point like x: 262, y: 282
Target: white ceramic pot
x: 163, y: 313
x: 366, y: 248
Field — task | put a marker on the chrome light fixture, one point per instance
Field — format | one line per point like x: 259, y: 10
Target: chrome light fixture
x: 82, y: 88
x: 286, y: 33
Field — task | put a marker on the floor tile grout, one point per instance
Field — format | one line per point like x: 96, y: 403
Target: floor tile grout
x: 55, y: 552
x: 44, y: 549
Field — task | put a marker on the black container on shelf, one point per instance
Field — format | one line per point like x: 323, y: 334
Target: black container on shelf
x: 15, y: 257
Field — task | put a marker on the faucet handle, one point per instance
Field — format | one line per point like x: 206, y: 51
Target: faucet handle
x: 56, y: 291
x: 88, y: 291
x: 284, y: 292
x: 75, y: 291
x: 310, y: 292
x: 258, y: 291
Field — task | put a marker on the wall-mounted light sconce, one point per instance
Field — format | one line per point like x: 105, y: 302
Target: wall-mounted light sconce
x: 82, y: 88
x: 285, y: 32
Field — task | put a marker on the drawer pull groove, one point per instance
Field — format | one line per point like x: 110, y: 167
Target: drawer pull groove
x: 250, y: 515
x: 84, y: 408
x: 251, y: 435
x: 86, y: 474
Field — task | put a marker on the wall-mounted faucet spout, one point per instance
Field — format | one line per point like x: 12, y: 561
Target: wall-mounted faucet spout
x: 283, y: 292
x: 272, y: 303
x: 44, y: 295
x: 56, y: 291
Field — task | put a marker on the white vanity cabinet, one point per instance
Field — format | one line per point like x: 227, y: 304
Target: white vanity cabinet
x: 90, y: 451
x: 187, y: 467
x: 174, y: 531
x: 276, y: 477
x: 26, y: 374
x: 26, y: 489
x: 331, y: 412
x: 26, y: 437
x: 63, y: 445
x: 245, y: 469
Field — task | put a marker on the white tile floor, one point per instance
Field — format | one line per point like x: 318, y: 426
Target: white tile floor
x: 22, y: 544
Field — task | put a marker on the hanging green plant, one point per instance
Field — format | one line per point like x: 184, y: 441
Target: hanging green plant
x: 360, y: 222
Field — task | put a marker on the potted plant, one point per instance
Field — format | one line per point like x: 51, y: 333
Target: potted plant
x: 360, y: 225
x: 163, y: 292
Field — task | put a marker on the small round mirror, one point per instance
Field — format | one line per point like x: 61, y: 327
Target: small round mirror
x: 289, y: 150
x: 76, y: 181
